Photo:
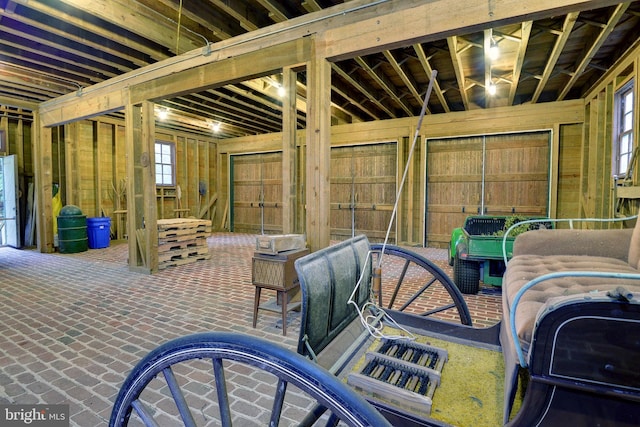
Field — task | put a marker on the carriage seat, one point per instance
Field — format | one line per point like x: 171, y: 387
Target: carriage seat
x: 327, y: 278
x: 540, y: 252
x: 569, y: 298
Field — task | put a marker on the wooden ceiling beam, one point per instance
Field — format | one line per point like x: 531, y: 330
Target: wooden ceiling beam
x: 18, y: 102
x: 225, y: 71
x: 340, y: 113
x: 456, y: 61
x: 237, y: 11
x: 81, y: 75
x: 525, y: 33
x: 276, y: 13
x: 214, y: 27
x: 342, y: 31
x: 92, y: 28
x: 231, y: 115
x: 367, y: 93
x: 558, y: 47
x: 428, y: 69
x: 405, y: 78
x: 16, y: 88
x: 33, y: 82
x: 355, y: 102
x: 263, y: 86
x: 189, y: 107
x: 411, y: 21
x: 80, y: 40
x: 72, y: 51
x: 383, y: 82
x: 593, y: 47
x: 311, y: 6
x: 136, y: 18
x: 266, y: 112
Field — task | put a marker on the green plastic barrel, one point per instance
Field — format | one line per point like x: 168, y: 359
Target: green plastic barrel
x: 72, y: 230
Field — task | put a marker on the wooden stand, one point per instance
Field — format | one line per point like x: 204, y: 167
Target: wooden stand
x: 276, y: 272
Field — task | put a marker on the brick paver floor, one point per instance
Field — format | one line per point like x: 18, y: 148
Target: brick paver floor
x: 73, y: 325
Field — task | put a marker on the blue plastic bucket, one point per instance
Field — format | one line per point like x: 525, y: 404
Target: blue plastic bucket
x: 99, y: 232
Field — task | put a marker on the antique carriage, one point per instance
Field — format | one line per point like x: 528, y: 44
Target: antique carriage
x: 565, y: 350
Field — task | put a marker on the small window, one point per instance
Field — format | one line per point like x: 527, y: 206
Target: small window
x: 623, y: 130
x: 165, y: 164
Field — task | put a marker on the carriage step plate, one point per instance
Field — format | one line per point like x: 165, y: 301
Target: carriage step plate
x: 401, y: 373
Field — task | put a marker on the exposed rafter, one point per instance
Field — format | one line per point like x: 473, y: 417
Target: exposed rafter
x: 456, y: 61
x: 428, y: 69
x: 77, y: 44
x: 561, y: 41
x: 274, y: 10
x: 404, y: 76
x: 593, y: 47
x: 372, y: 98
x: 523, y: 43
x: 382, y: 81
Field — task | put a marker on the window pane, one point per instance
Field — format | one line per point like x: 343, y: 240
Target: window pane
x: 624, y: 163
x: 628, y: 102
x: 164, y: 163
x: 626, y: 143
x: 623, y: 145
x: 628, y: 122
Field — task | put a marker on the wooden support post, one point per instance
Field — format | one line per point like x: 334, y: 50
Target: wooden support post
x: 141, y: 194
x: 43, y: 171
x: 71, y: 166
x: 289, y: 125
x: 318, y: 153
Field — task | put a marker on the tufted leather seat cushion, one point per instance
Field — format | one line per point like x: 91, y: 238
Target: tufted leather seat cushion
x: 523, y: 268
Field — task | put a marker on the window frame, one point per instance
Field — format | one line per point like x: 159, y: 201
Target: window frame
x: 159, y: 162
x: 623, y: 138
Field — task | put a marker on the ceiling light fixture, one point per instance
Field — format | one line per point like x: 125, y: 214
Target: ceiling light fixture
x: 163, y: 113
x: 492, y: 89
x: 215, y: 127
x: 281, y: 92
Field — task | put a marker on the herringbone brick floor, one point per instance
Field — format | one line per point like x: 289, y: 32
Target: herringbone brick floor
x: 73, y: 325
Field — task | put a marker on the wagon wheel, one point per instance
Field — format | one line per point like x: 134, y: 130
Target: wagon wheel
x: 419, y: 283
x: 186, y: 381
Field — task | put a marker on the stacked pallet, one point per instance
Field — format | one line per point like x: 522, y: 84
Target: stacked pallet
x: 182, y: 241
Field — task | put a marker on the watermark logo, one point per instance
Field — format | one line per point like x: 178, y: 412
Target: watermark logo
x: 34, y: 415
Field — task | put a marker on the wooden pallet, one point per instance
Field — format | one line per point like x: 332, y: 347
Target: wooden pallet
x: 182, y: 241
x: 182, y: 261
x: 180, y: 227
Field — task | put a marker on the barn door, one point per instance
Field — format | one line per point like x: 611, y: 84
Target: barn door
x: 363, y: 190
x: 256, y: 194
x: 9, y: 217
x: 492, y: 175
